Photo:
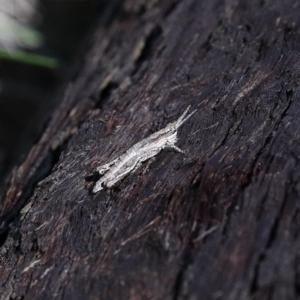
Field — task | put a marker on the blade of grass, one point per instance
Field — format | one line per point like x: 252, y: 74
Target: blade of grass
x: 30, y: 58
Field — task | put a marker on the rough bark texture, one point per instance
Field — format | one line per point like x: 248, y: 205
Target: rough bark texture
x: 218, y: 222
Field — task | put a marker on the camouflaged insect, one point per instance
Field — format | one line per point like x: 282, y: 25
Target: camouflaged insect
x: 128, y: 162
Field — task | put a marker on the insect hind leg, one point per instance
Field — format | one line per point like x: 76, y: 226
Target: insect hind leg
x: 104, y: 168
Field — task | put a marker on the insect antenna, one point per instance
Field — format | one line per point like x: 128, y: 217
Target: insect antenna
x: 183, y: 117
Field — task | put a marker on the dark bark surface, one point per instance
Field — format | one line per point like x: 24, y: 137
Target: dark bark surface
x: 218, y: 222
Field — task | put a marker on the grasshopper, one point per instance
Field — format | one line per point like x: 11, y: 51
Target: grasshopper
x: 147, y: 148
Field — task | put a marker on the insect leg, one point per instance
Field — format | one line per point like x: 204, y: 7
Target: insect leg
x: 104, y: 168
x: 177, y: 149
x: 131, y: 167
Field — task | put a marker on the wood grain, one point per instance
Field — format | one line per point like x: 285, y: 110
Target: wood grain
x: 219, y: 222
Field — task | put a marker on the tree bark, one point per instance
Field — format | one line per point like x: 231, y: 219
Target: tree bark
x: 217, y: 222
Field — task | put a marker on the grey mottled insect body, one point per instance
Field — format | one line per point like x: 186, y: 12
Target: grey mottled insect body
x: 118, y: 168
